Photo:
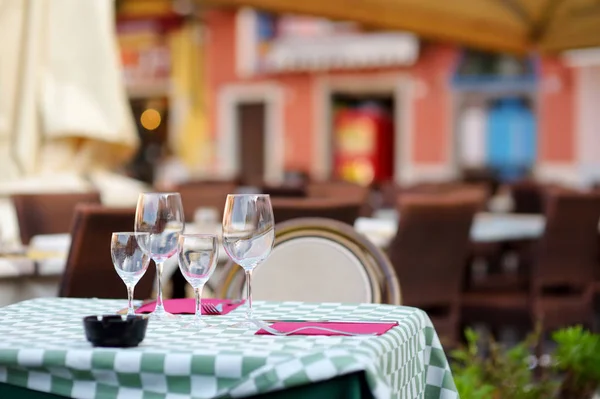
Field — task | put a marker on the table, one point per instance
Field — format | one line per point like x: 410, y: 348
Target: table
x: 43, y: 348
x: 487, y: 227
x: 23, y: 278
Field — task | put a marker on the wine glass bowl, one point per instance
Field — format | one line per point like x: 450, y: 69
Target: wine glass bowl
x: 248, y: 236
x: 130, y: 260
x: 161, y: 216
x: 198, y: 255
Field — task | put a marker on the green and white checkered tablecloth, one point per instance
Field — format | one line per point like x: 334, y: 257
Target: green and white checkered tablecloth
x: 43, y: 348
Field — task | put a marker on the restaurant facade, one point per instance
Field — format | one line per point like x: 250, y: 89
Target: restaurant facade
x: 287, y: 93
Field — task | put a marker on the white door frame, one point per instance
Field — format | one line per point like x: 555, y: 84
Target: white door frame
x: 397, y: 84
x: 587, y: 124
x: 229, y: 97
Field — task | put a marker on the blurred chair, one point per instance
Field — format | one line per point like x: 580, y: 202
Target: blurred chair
x: 89, y: 272
x: 528, y: 197
x: 485, y: 176
x: 339, y: 189
x: 321, y: 260
x: 479, y: 190
x: 340, y: 209
x: 48, y: 213
x: 204, y: 194
x: 429, y: 254
x: 564, y: 265
x: 285, y: 191
x: 390, y: 193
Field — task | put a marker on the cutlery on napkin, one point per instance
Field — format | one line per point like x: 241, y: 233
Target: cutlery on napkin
x: 188, y: 306
x: 328, y: 328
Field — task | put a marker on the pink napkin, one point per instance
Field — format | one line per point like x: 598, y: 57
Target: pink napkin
x: 187, y: 305
x: 349, y: 327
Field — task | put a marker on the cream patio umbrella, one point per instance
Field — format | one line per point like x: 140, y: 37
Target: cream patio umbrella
x: 63, y: 106
x: 502, y: 25
x: 65, y: 123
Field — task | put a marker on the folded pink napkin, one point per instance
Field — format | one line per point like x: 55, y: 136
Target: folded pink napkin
x: 187, y: 305
x: 347, y: 327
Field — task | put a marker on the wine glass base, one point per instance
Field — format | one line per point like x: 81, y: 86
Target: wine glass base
x: 162, y: 315
x: 246, y: 325
x: 197, y: 324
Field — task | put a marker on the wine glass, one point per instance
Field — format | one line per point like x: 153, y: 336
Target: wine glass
x: 248, y: 237
x: 130, y: 261
x: 160, y: 215
x: 198, y: 256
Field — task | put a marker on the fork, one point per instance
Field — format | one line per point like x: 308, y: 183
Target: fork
x: 271, y: 330
x: 211, y: 309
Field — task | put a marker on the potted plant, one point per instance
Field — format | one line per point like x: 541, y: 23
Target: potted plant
x: 501, y: 373
x: 509, y: 373
x: 577, y: 357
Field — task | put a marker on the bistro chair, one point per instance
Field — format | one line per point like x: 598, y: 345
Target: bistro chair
x: 48, y: 213
x: 340, y: 209
x: 322, y: 260
x: 565, y: 260
x: 342, y: 190
x: 89, y: 272
x: 429, y: 253
x: 389, y: 191
x: 528, y: 197
x: 204, y: 194
x: 285, y: 191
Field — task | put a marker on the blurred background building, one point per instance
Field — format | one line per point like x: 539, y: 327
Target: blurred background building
x: 260, y: 96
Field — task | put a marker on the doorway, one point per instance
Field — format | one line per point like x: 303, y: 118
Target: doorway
x: 362, y: 136
x: 383, y: 85
x: 250, y: 125
x: 251, y: 128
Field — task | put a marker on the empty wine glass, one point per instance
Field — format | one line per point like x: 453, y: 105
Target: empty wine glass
x: 130, y: 261
x: 160, y: 215
x: 248, y: 237
x: 198, y: 255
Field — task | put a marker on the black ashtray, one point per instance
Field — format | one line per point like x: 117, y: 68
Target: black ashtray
x: 115, y: 331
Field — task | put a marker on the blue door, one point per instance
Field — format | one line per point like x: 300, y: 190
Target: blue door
x: 511, y: 142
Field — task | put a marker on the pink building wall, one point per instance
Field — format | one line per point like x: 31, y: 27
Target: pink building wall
x: 431, y: 105
x: 557, y: 138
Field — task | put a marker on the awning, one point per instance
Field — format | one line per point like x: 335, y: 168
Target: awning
x: 342, y: 52
x: 503, y: 25
x: 583, y: 57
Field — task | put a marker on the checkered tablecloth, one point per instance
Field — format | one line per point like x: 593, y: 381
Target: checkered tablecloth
x: 43, y: 348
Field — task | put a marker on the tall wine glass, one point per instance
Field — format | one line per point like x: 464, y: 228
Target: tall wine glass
x: 198, y: 255
x: 130, y: 261
x: 248, y: 237
x: 160, y: 215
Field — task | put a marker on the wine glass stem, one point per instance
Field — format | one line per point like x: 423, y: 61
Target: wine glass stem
x: 159, y: 295
x: 130, y: 310
x: 248, y: 294
x: 198, y: 295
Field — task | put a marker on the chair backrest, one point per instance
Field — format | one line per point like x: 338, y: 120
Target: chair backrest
x: 430, y: 248
x: 568, y: 251
x: 337, y: 189
x: 342, y: 190
x: 343, y: 210
x: 89, y: 271
x: 317, y: 259
x: 196, y: 195
x: 48, y: 213
x: 390, y: 192
x: 285, y: 191
x: 528, y: 197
